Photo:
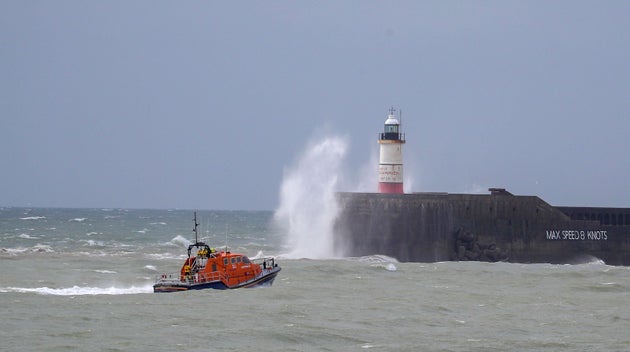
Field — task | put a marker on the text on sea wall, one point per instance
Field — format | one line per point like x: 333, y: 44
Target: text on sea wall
x: 577, y: 235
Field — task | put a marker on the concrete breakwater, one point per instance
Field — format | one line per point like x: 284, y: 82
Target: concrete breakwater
x: 431, y: 227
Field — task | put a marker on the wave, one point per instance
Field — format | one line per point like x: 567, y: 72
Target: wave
x: 377, y: 258
x: 388, y: 266
x: 380, y: 261
x: 105, y: 272
x: 165, y: 256
x: 587, y: 260
x: 28, y: 237
x: 92, y: 243
x: 81, y: 291
x: 33, y: 218
x: 78, y: 219
x: 258, y: 255
x: 38, y: 248
x: 150, y: 267
x: 180, y: 241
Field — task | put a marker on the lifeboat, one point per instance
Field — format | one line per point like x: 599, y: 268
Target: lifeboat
x: 206, y: 267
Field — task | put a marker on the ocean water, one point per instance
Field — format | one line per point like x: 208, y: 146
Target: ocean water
x: 81, y: 279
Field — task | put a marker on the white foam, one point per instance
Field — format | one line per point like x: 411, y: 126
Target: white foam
x: 258, y: 255
x: 380, y: 261
x: 12, y: 251
x: 80, y: 291
x: 386, y: 266
x: 596, y: 261
x: 28, y: 237
x: 150, y: 267
x: 164, y: 256
x: 378, y: 258
x: 93, y: 243
x: 78, y: 219
x: 38, y: 248
x: 41, y: 248
x: 33, y: 218
x: 180, y: 241
x: 390, y: 267
x: 589, y: 260
x: 105, y: 271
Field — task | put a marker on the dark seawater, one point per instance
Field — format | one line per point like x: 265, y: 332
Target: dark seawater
x: 80, y: 279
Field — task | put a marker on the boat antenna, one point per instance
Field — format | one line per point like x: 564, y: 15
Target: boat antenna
x: 195, y: 228
x: 226, y: 238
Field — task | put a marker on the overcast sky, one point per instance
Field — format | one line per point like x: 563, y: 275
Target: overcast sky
x: 169, y: 104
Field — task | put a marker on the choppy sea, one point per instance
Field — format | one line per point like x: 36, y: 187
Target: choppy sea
x: 81, y: 279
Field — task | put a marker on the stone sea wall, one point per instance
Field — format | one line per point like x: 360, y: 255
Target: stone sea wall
x: 430, y: 227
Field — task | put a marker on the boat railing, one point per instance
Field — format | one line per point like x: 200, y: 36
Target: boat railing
x: 265, y: 262
x: 208, y: 277
x: 199, y: 277
x: 168, y: 278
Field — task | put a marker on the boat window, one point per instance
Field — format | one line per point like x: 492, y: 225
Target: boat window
x: 233, y: 260
x: 246, y: 260
x: 225, y: 261
x: 238, y: 259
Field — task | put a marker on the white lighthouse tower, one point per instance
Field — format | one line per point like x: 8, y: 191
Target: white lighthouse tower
x: 390, y: 165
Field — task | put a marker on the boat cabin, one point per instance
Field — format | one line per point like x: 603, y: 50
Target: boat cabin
x: 209, y: 265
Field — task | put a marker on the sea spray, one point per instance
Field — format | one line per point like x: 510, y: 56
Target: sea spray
x: 308, y: 207
x: 367, y: 177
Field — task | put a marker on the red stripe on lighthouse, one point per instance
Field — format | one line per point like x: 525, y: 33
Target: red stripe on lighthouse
x: 386, y: 187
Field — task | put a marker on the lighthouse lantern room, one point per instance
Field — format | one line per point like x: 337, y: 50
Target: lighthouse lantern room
x: 390, y: 166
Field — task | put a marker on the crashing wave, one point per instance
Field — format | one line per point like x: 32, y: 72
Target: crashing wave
x: 180, y: 241
x: 38, y: 248
x: 380, y: 261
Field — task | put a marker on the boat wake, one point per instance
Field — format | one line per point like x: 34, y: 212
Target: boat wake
x: 81, y: 291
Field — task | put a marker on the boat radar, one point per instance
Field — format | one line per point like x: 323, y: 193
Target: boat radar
x: 390, y: 166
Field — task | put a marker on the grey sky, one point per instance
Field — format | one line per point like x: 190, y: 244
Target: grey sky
x: 166, y: 104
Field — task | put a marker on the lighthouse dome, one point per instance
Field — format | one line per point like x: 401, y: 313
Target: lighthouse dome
x: 392, y: 120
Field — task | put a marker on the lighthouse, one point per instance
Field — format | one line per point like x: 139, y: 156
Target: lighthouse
x: 390, y: 164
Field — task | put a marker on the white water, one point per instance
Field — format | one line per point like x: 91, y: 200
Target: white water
x: 308, y: 207
x: 81, y: 291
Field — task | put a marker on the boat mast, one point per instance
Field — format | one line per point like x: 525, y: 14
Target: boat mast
x: 195, y: 228
x: 226, y: 238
